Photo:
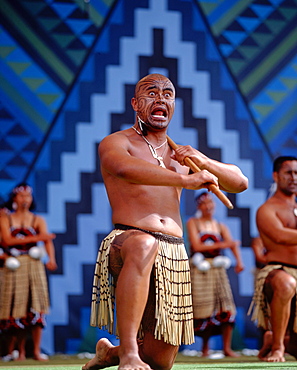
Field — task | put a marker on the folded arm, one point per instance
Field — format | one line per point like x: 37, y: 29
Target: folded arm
x: 230, y: 177
x: 117, y: 161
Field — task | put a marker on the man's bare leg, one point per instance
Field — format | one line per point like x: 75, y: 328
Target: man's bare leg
x: 290, y: 345
x: 158, y: 354
x: 138, y: 253
x: 133, y: 280
x: 283, y: 288
x: 291, y: 339
x: 150, y: 350
x: 132, y: 256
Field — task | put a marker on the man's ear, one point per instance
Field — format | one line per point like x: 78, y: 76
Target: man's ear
x: 134, y: 104
x: 274, y: 176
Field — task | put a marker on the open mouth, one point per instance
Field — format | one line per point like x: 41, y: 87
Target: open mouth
x: 159, y: 113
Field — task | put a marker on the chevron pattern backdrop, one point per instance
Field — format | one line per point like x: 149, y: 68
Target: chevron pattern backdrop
x: 68, y: 70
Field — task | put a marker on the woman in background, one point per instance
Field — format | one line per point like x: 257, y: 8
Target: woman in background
x: 24, y: 297
x: 214, y: 308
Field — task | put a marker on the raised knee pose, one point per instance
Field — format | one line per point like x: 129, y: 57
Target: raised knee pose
x: 274, y: 301
x: 142, y: 265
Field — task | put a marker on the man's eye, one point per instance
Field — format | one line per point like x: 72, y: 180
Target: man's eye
x: 151, y: 93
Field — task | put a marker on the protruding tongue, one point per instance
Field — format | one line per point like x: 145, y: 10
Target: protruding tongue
x: 158, y: 113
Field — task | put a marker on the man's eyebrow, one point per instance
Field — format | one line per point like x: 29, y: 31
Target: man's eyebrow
x: 168, y: 88
x: 154, y: 87
x: 151, y: 87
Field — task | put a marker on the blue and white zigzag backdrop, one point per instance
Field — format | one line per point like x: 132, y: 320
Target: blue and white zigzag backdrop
x: 68, y: 74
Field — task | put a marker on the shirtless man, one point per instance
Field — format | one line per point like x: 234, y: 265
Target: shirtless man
x: 275, y: 292
x: 144, y: 179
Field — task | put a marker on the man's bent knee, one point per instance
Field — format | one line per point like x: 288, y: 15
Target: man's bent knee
x: 134, y: 246
x: 281, y: 283
x: 158, y: 354
x: 160, y: 362
x: 165, y: 364
x: 139, y: 246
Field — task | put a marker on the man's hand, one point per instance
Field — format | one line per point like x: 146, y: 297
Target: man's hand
x: 181, y: 152
x: 200, y: 180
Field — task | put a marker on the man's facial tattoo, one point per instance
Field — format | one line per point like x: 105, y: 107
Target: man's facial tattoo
x: 141, y: 92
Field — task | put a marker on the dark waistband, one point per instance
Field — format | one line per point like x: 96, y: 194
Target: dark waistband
x: 283, y: 264
x: 160, y: 236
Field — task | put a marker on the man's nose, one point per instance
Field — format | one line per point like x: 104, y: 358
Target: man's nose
x: 160, y: 97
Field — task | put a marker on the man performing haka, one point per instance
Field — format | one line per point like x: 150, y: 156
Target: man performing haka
x: 274, y: 300
x: 142, y: 264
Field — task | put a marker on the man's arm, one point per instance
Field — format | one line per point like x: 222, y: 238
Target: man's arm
x: 270, y: 225
x: 118, y: 162
x: 231, y: 179
x: 258, y: 248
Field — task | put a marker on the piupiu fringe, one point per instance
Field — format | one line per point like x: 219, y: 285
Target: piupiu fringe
x: 259, y: 307
x: 174, y: 312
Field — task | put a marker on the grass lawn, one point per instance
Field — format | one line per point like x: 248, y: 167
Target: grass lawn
x: 65, y: 362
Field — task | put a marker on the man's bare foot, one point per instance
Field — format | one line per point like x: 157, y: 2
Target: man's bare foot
x: 102, y: 358
x: 276, y: 356
x: 267, y: 345
x: 133, y: 362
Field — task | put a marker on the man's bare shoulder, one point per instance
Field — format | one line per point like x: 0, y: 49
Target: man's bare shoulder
x: 115, y: 140
x: 271, y: 202
x: 117, y: 136
x: 271, y: 206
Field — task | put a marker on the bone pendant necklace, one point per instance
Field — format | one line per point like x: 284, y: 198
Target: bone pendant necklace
x: 152, y: 149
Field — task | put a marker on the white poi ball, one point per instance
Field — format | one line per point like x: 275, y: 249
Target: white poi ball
x: 204, y: 265
x: 221, y: 261
x: 197, y: 258
x: 35, y: 252
x: 12, y: 263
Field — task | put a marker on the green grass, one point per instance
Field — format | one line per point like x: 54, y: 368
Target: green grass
x: 64, y: 362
